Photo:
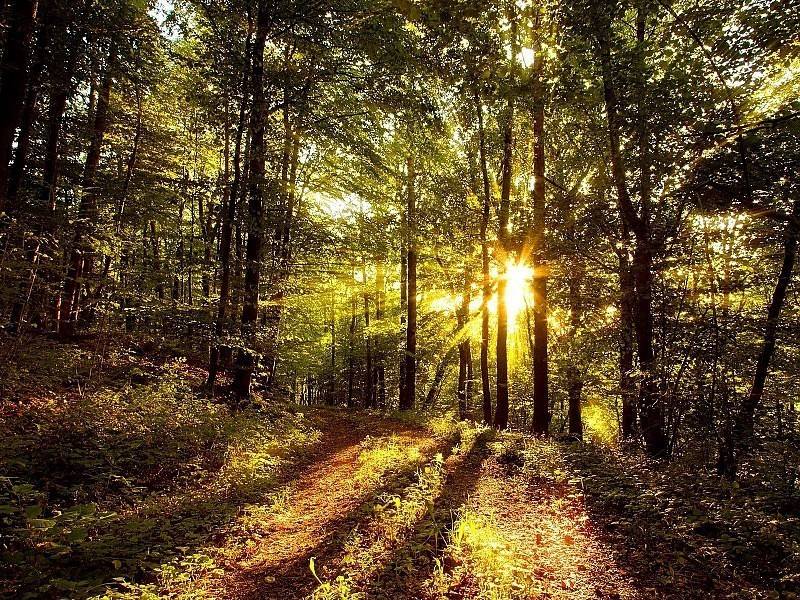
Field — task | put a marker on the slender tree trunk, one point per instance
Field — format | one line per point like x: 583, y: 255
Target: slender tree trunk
x: 80, y: 263
x: 627, y: 382
x: 351, y: 370
x: 13, y: 78
x: 380, y: 299
x: 541, y: 402
x: 332, y: 390
x: 651, y: 414
x: 369, y: 399
x: 226, y: 235
x: 486, y: 386
x: 28, y: 115
x: 246, y: 359
x: 438, y: 378
x: 745, y: 418
x: 464, y: 352
x: 501, y: 410
x: 410, y: 359
x: 575, y: 380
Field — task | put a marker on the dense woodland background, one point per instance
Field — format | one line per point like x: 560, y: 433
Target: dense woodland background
x: 575, y: 219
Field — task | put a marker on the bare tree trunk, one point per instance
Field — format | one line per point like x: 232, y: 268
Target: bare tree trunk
x: 28, y: 115
x: 501, y: 410
x: 410, y: 359
x: 350, y: 356
x: 13, y: 78
x: 627, y: 383
x: 369, y: 398
x: 651, y: 414
x: 575, y: 380
x: 380, y: 299
x: 486, y: 387
x: 80, y: 263
x: 745, y: 418
x: 464, y: 352
x: 246, y: 359
x: 226, y: 234
x: 541, y: 402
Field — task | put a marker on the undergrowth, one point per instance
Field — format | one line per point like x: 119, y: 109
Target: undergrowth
x: 116, y: 491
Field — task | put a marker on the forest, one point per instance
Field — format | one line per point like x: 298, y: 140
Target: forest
x: 384, y: 299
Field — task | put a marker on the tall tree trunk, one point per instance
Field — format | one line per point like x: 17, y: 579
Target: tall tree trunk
x: 380, y: 299
x: 226, y: 234
x: 410, y: 359
x: 651, y: 413
x: 332, y: 389
x: 351, y: 369
x: 627, y: 383
x: 541, y: 403
x: 28, y: 115
x: 13, y: 77
x: 369, y: 397
x: 464, y: 351
x: 246, y: 359
x: 745, y: 418
x: 501, y: 410
x: 403, y: 305
x: 486, y: 386
x: 575, y: 380
x: 81, y: 256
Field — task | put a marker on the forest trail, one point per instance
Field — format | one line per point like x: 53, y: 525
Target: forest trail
x: 531, y: 537
x: 268, y: 555
x: 480, y: 526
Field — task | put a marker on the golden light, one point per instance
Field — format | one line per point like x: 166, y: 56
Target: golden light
x: 518, y: 276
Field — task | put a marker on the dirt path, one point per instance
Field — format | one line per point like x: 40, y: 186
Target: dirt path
x: 541, y: 534
x: 267, y: 555
x: 381, y: 520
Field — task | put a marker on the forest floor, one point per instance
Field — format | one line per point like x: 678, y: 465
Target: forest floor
x: 119, y: 479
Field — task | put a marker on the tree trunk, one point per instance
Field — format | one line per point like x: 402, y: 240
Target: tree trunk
x: 486, y: 388
x: 13, y: 78
x: 627, y: 382
x: 501, y: 410
x: 380, y: 299
x: 81, y: 257
x: 745, y: 418
x: 350, y: 356
x: 651, y: 414
x: 369, y: 398
x: 28, y: 115
x: 410, y: 359
x: 246, y: 359
x: 226, y: 233
x: 464, y: 351
x: 574, y: 378
x: 541, y: 402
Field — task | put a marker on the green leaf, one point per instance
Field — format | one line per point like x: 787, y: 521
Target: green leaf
x: 77, y: 535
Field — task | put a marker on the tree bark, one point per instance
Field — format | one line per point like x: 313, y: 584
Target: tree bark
x: 28, y: 115
x: 651, y: 413
x: 501, y: 409
x: 745, y: 418
x: 380, y: 299
x: 541, y: 402
x: 369, y: 397
x: 486, y: 387
x: 574, y: 378
x: 410, y: 358
x: 81, y: 256
x: 228, y: 218
x: 464, y: 350
x: 246, y: 359
x: 13, y: 78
